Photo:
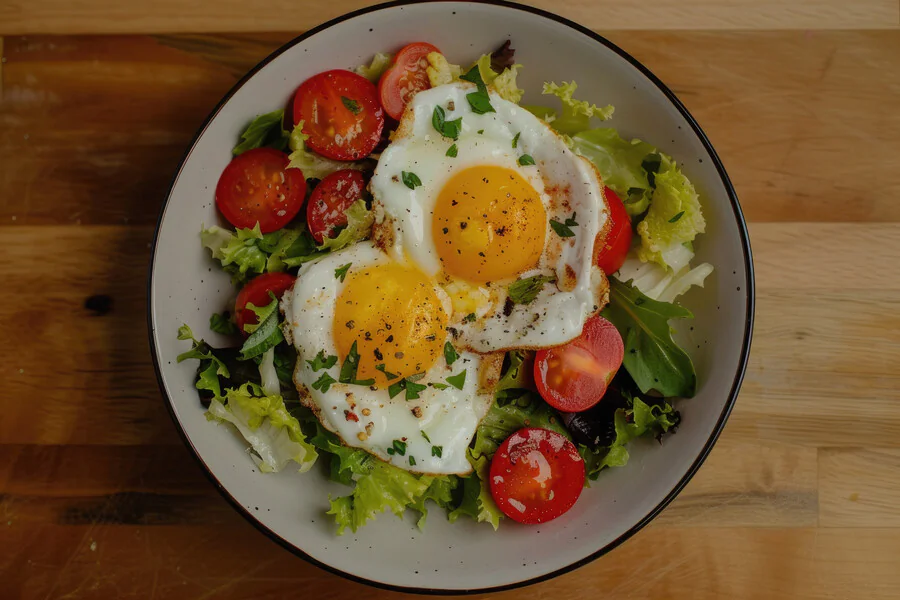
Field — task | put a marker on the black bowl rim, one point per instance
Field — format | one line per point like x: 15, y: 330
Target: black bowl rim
x: 720, y: 423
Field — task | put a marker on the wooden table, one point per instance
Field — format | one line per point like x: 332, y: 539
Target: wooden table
x: 99, y: 498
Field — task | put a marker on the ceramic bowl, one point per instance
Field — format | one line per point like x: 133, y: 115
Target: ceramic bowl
x: 186, y: 287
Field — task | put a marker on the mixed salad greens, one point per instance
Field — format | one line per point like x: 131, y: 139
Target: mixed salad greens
x: 249, y: 384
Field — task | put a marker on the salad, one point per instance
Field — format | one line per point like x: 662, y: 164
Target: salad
x: 444, y: 296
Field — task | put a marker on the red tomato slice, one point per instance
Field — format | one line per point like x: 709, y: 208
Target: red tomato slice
x: 329, y: 201
x: 257, y: 292
x: 574, y: 377
x: 536, y: 475
x: 257, y: 187
x: 340, y: 113
x: 405, y: 77
x: 618, y: 240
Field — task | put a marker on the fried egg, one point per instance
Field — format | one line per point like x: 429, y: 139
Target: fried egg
x: 384, y: 320
x: 479, y: 214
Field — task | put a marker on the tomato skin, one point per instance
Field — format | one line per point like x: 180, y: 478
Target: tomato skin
x: 405, y: 77
x: 335, y: 129
x: 618, y: 240
x: 536, y: 475
x: 257, y: 292
x: 257, y: 187
x: 573, y: 377
x: 330, y: 199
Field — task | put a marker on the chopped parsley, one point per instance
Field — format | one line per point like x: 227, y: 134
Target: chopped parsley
x: 448, y: 129
x: 349, y: 368
x: 425, y: 435
x: 526, y: 160
x: 526, y: 290
x: 439, y: 386
x: 351, y: 105
x: 452, y: 151
x: 437, y: 451
x: 469, y: 318
x: 412, y: 460
x: 410, y: 180
x: 397, y: 447
x: 341, y: 272
x: 384, y: 370
x: 458, y: 381
x: 322, y: 362
x: 676, y: 217
x: 515, y: 142
x: 564, y: 230
x: 479, y: 100
x: 323, y: 382
x: 409, y: 385
x: 450, y: 354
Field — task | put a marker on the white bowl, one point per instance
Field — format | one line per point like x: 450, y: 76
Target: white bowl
x: 186, y: 287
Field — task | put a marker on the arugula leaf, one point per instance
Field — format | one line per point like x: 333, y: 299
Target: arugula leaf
x: 410, y: 180
x: 652, y: 357
x: 321, y: 361
x: 341, y: 272
x: 452, y: 151
x: 349, y: 368
x: 564, y: 230
x: 448, y: 129
x: 526, y: 290
x: 450, y: 354
x: 222, y: 323
x: 351, y: 105
x: 265, y: 130
x: 323, y: 383
x: 458, y: 380
x: 526, y: 160
x: 479, y: 100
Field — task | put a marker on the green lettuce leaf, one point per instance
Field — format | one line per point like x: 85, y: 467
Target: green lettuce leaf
x: 239, y: 252
x: 384, y: 487
x: 374, y: 70
x: 359, y: 225
x: 440, y: 492
x: 312, y: 165
x: 265, y: 335
x: 265, y: 130
x: 477, y: 501
x: 620, y: 163
x: 673, y: 220
x: 576, y: 114
x: 652, y: 357
x: 641, y: 419
x: 273, y: 433
x: 222, y: 323
x: 346, y: 464
x: 658, y: 282
x: 440, y: 71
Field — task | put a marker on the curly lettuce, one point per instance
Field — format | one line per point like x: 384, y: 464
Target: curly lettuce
x: 273, y: 433
x: 359, y: 225
x: 440, y: 71
x: 477, y: 501
x: 374, y: 70
x: 673, y: 220
x: 503, y: 82
x: 312, y: 165
x: 575, y: 115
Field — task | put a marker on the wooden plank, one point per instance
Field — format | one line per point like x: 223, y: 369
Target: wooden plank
x: 98, y: 124
x: 109, y: 16
x: 234, y: 561
x: 859, y: 487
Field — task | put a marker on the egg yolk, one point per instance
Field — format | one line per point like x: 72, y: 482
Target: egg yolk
x: 394, y: 316
x: 489, y: 224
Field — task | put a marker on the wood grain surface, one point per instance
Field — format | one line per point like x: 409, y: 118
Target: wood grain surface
x: 799, y: 500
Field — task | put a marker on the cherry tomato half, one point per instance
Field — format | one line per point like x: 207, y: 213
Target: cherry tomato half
x: 257, y: 292
x: 340, y: 113
x: 405, y: 77
x: 329, y: 201
x: 536, y: 475
x: 618, y: 240
x: 257, y: 187
x: 574, y: 377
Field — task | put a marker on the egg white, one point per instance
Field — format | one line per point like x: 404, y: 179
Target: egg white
x: 448, y: 417
x: 567, y: 184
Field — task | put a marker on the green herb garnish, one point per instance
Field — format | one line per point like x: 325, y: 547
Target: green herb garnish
x: 526, y: 160
x: 410, y: 180
x: 526, y: 290
x: 515, y: 142
x: 321, y: 361
x: 564, y: 230
x: 450, y: 354
x: 341, y: 272
x: 458, y: 381
x: 352, y: 105
x: 448, y: 129
x: 350, y: 367
x: 479, y: 100
x: 676, y: 217
x: 437, y: 451
x: 323, y: 382
x: 452, y: 151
